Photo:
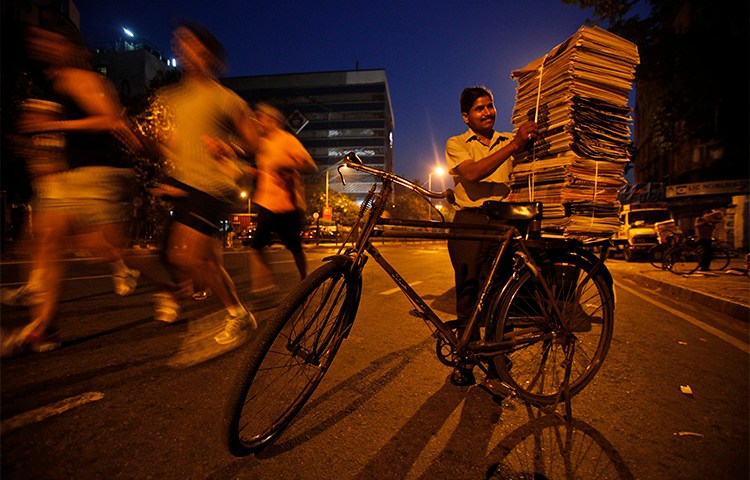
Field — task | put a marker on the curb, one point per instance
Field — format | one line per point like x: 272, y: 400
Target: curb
x: 723, y: 305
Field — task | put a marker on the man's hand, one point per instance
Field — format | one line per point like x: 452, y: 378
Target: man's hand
x: 224, y: 155
x: 526, y: 131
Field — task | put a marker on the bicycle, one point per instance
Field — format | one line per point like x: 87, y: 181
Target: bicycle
x: 544, y: 329
x: 685, y: 258
x: 657, y: 253
x: 668, y: 235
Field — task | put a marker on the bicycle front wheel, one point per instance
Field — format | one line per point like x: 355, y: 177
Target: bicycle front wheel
x: 292, y: 355
x: 656, y: 255
x: 560, y: 341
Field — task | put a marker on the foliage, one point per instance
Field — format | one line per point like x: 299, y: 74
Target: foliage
x: 407, y: 205
x: 344, y: 209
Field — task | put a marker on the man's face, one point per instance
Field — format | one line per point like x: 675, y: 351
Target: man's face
x: 481, y: 116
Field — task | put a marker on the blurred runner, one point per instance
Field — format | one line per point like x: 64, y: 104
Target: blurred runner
x: 279, y: 195
x: 205, y: 114
x: 83, y: 192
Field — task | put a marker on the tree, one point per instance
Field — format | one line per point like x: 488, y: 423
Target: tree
x: 344, y: 209
x: 408, y: 205
x: 693, y: 70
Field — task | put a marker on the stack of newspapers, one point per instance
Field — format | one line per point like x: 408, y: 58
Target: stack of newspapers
x: 578, y: 94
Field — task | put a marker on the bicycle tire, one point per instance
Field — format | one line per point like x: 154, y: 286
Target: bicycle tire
x: 683, y: 260
x: 292, y: 355
x: 536, y: 366
x: 656, y: 255
x: 719, y: 259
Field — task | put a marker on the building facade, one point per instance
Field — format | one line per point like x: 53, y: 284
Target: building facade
x: 332, y: 114
x: 130, y: 66
x: 691, y: 115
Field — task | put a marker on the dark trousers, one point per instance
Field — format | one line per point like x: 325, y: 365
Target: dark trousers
x: 471, y: 261
x: 707, y: 253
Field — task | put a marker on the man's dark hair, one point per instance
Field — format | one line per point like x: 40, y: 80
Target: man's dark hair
x: 471, y: 94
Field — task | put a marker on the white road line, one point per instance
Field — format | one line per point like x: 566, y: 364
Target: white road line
x: 690, y: 319
x: 39, y: 414
x: 394, y: 290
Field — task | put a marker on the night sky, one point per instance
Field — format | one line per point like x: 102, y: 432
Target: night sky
x: 430, y: 50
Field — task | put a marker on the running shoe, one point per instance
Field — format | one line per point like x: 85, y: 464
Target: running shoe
x: 126, y: 281
x: 166, y: 308
x: 202, y: 294
x: 22, y: 296
x: 236, y: 328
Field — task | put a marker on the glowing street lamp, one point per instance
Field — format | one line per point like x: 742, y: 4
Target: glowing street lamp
x: 128, y: 32
x: 439, y: 172
x: 244, y: 194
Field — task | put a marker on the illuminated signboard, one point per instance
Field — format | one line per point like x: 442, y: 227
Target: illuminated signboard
x: 719, y: 187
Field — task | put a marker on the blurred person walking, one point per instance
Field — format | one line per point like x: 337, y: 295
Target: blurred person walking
x: 82, y: 192
x: 205, y: 114
x: 279, y: 195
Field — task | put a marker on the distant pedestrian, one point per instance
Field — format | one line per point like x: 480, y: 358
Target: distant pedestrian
x: 704, y: 229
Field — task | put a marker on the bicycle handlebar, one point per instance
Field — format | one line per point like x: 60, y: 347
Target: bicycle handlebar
x: 351, y: 160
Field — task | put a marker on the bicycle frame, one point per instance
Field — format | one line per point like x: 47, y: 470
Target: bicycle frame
x: 508, y: 236
x: 557, y: 301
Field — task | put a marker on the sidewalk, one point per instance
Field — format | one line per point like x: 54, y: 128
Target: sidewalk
x: 726, y: 291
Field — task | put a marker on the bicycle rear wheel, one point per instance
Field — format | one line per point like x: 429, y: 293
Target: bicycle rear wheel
x: 554, y: 356
x: 719, y: 259
x: 683, y: 260
x: 292, y: 356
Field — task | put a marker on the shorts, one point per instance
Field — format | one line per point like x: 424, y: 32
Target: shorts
x: 287, y: 225
x: 91, y: 195
x: 199, y: 210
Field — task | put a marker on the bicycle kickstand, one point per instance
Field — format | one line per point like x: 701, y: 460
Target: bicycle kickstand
x: 568, y: 415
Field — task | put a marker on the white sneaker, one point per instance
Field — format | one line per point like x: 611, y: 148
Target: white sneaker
x: 166, y: 308
x: 22, y: 296
x: 126, y: 281
x: 236, y: 328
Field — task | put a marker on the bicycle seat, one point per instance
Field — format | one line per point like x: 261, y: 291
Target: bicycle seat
x: 512, y: 210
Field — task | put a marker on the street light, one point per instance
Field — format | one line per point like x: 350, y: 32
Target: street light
x: 439, y: 172
x: 243, y: 195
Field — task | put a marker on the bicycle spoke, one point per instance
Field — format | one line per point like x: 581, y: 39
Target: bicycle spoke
x: 577, y: 318
x: 292, y: 357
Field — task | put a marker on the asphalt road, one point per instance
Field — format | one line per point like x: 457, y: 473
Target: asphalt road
x: 129, y: 398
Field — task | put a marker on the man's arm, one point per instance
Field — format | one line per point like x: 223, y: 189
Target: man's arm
x: 296, y: 155
x: 476, y: 170
x: 246, y: 129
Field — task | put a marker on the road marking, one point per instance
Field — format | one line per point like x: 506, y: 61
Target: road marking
x: 39, y: 414
x: 690, y: 319
x: 394, y: 290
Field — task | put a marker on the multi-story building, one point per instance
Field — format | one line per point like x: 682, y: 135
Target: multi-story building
x: 130, y: 65
x: 332, y: 113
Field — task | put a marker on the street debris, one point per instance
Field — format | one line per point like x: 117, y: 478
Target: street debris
x: 686, y: 390
x: 688, y: 434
